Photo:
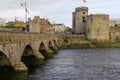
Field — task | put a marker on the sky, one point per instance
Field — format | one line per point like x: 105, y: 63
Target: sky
x: 57, y: 11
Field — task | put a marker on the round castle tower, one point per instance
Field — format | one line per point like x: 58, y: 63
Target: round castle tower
x: 79, y: 19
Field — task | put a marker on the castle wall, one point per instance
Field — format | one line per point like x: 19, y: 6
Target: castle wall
x: 115, y: 34
x: 97, y: 27
x: 34, y: 24
x: 73, y: 22
x: 40, y: 25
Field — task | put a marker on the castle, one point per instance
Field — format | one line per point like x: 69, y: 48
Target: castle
x: 94, y: 26
x: 40, y: 25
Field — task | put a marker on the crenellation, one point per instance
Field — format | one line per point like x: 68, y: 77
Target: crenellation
x: 81, y: 9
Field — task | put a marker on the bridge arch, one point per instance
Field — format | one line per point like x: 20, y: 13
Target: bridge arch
x: 42, y: 49
x: 27, y: 55
x: 42, y: 46
x: 52, y: 46
x: 45, y: 50
x: 55, y: 41
x: 4, y: 60
x: 27, y: 50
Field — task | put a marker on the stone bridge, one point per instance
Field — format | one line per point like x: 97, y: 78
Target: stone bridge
x: 19, y: 49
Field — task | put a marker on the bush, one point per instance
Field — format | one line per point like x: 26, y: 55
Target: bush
x: 66, y: 38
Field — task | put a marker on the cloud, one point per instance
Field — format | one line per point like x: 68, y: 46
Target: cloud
x: 56, y: 10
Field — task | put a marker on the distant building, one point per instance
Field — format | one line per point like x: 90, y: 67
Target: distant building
x: 114, y: 21
x: 14, y: 26
x: 18, y: 24
x: 59, y: 28
x: 40, y: 25
x: 11, y: 23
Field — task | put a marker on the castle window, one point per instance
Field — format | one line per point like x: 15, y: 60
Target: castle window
x: 83, y: 19
x: 83, y: 12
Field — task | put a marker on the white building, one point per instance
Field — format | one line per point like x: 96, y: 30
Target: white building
x: 59, y: 28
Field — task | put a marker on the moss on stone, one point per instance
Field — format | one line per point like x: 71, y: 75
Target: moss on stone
x: 79, y: 45
x: 116, y: 45
x: 47, y: 53
x: 102, y: 44
x: 66, y: 38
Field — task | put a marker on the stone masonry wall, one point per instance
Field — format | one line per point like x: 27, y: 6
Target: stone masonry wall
x: 98, y: 27
x: 115, y: 34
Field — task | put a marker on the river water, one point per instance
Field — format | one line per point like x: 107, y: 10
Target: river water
x: 74, y: 64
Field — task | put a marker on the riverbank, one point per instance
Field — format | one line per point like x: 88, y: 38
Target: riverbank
x: 116, y: 45
x: 78, y: 41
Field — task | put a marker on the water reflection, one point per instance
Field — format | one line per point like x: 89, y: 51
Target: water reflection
x: 9, y: 74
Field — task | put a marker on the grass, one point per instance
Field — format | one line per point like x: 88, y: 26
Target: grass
x: 116, y: 44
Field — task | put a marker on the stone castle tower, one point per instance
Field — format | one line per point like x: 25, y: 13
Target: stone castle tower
x: 79, y: 20
x: 95, y: 27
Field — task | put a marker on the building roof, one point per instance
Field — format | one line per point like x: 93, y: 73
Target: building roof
x: 59, y: 24
x: 45, y: 21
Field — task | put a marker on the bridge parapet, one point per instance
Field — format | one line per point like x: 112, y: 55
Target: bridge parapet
x: 13, y: 37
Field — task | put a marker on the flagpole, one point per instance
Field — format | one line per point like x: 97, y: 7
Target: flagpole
x: 25, y: 13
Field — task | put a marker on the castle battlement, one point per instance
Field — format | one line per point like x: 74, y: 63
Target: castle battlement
x: 81, y: 9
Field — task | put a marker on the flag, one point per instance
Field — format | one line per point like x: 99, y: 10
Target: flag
x: 84, y: 1
x: 25, y: 6
x: 26, y: 10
